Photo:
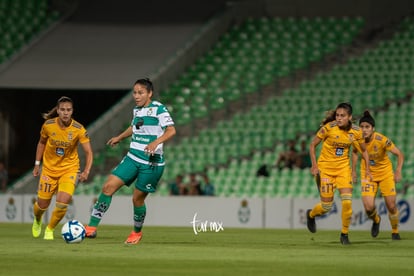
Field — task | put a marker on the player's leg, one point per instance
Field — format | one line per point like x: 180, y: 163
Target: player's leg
x: 326, y: 191
x: 368, y: 191
x: 46, y: 189
x: 38, y: 215
x: 123, y: 174
x: 393, y: 216
x: 66, y: 187
x: 344, y: 185
x: 147, y: 182
x: 140, y: 211
x: 388, y: 192
x: 112, y: 184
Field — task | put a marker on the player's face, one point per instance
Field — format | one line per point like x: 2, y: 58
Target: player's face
x: 367, y: 129
x: 141, y: 95
x: 342, y: 117
x: 65, y: 111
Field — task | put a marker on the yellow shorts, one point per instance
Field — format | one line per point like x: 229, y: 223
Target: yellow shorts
x: 386, y: 185
x: 50, y: 185
x: 330, y: 182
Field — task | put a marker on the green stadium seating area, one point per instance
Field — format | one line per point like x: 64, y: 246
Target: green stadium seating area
x: 20, y: 22
x: 250, y: 56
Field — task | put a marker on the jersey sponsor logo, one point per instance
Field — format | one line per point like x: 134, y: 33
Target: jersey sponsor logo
x: 59, y: 143
x: 142, y: 139
x: 339, y: 151
x: 139, y: 122
x: 60, y: 151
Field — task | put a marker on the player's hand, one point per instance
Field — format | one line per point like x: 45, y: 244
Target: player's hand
x: 314, y: 170
x: 397, y: 176
x: 150, y: 148
x: 83, y: 176
x: 36, y: 170
x: 113, y: 141
x: 354, y: 177
x: 368, y: 175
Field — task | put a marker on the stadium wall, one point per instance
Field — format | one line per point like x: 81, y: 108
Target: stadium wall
x: 194, y: 212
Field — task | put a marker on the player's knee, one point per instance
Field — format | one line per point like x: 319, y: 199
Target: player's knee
x: 61, y: 205
x: 392, y: 209
x: 327, y: 206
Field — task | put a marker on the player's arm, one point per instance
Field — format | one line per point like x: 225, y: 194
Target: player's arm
x: 87, y: 148
x: 115, y: 140
x: 312, y: 152
x: 40, y: 149
x: 354, y: 158
x: 365, y: 156
x: 167, y: 135
x: 400, y: 161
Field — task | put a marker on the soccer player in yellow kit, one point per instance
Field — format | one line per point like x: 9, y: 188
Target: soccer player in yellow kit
x: 332, y: 170
x: 57, y: 149
x: 383, y: 176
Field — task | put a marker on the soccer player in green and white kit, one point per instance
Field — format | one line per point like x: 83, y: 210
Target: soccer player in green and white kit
x: 151, y: 126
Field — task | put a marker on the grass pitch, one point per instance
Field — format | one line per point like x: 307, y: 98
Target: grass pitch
x: 178, y: 251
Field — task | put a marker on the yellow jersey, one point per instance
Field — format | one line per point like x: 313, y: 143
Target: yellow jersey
x: 380, y: 163
x: 334, y: 154
x: 61, y: 149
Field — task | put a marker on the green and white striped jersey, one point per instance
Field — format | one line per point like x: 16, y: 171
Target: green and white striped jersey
x: 148, y: 124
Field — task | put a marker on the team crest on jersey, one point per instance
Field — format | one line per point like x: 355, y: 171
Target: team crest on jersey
x: 351, y: 137
x: 375, y: 148
x: 70, y: 136
x: 150, y: 111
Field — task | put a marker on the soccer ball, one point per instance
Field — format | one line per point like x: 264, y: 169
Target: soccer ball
x: 73, y: 232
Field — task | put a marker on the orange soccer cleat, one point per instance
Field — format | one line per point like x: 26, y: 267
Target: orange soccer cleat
x: 134, y: 238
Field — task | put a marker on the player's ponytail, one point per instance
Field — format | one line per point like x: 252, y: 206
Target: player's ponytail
x: 367, y: 118
x: 53, y: 112
x: 330, y: 116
